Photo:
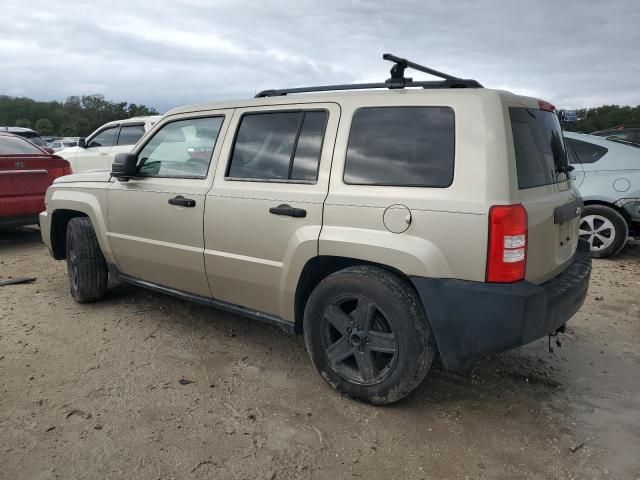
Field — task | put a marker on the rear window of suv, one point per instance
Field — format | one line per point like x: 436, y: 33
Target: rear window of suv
x: 541, y: 157
x: 401, y: 146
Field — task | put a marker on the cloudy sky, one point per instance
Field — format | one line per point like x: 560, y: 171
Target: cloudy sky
x: 161, y: 53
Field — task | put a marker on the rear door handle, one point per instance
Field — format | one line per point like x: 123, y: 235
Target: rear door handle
x: 288, y: 211
x: 180, y: 201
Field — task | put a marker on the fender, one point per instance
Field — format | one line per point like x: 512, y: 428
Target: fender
x: 409, y: 254
x: 90, y: 201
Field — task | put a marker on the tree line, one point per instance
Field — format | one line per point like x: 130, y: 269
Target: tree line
x: 77, y: 116
x: 607, y: 116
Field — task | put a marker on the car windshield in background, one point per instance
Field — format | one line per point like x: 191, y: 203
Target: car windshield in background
x: 541, y: 157
x: 17, y: 146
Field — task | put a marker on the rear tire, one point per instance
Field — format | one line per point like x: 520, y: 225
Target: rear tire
x: 85, y: 262
x: 605, y: 229
x: 367, y: 334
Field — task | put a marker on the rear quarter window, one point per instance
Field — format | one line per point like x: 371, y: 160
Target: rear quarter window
x: 401, y: 146
x: 541, y: 156
x: 587, y: 152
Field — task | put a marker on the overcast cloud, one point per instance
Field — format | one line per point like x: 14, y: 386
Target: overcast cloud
x: 170, y: 53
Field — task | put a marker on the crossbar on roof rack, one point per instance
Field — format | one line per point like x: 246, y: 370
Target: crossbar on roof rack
x: 397, y: 81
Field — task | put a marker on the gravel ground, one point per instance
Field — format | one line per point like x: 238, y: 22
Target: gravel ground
x: 94, y: 391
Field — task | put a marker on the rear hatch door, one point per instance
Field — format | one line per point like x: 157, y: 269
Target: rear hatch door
x: 553, y: 205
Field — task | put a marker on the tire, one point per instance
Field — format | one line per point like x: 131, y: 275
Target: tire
x: 605, y: 229
x: 367, y: 334
x: 85, y: 263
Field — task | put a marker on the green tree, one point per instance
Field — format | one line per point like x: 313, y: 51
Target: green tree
x: 606, y: 116
x: 44, y: 126
x: 77, y: 115
x: 23, y: 122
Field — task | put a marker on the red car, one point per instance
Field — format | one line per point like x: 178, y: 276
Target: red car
x: 25, y: 173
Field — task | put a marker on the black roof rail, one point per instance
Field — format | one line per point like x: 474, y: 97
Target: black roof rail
x: 396, y: 81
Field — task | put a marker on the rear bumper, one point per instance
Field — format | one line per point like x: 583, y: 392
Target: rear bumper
x: 19, y: 220
x: 473, y: 319
x: 21, y: 206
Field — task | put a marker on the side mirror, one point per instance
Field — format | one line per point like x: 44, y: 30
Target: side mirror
x: 124, y: 166
x: 82, y: 143
x: 49, y: 150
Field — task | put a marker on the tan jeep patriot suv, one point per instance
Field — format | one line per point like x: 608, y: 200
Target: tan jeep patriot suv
x: 388, y: 223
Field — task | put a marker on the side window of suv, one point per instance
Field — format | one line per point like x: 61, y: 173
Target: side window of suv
x: 278, y: 146
x: 587, y: 152
x: 130, y: 134
x: 181, y: 149
x: 103, y: 139
x: 401, y: 146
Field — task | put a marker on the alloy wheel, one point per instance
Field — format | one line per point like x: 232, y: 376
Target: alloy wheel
x: 358, y: 340
x: 599, y: 231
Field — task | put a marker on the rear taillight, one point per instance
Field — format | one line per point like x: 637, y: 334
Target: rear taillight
x: 507, y: 253
x: 63, y: 169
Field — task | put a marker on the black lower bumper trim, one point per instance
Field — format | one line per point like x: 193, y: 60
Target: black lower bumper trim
x: 473, y: 319
x: 19, y: 221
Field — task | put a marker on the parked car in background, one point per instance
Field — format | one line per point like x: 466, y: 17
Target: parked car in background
x: 386, y: 226
x: 627, y: 134
x: 27, y: 133
x: 26, y: 171
x: 607, y: 173
x: 62, y: 143
x: 98, y: 150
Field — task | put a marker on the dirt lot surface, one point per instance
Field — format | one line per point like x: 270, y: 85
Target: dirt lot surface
x: 93, y: 391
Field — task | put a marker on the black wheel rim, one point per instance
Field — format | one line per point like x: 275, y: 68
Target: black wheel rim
x: 72, y: 265
x: 358, y: 340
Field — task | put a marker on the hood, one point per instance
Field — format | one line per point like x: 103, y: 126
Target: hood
x: 89, y: 176
x: 69, y: 152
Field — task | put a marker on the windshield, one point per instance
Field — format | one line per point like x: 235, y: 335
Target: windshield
x: 541, y: 156
x: 17, y: 146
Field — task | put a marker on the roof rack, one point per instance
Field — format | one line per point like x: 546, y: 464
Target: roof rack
x: 396, y: 81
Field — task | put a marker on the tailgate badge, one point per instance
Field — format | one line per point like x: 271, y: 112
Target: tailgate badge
x: 19, y: 165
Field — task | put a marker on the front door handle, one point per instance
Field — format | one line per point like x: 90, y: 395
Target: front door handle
x: 288, y: 211
x: 180, y: 201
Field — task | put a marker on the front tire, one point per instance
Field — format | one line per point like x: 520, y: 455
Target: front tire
x: 605, y: 230
x: 367, y: 334
x: 85, y: 262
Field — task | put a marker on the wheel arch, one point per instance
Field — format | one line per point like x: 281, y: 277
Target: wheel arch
x: 318, y: 268
x: 68, y: 203
x: 612, y: 206
x: 59, y: 220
